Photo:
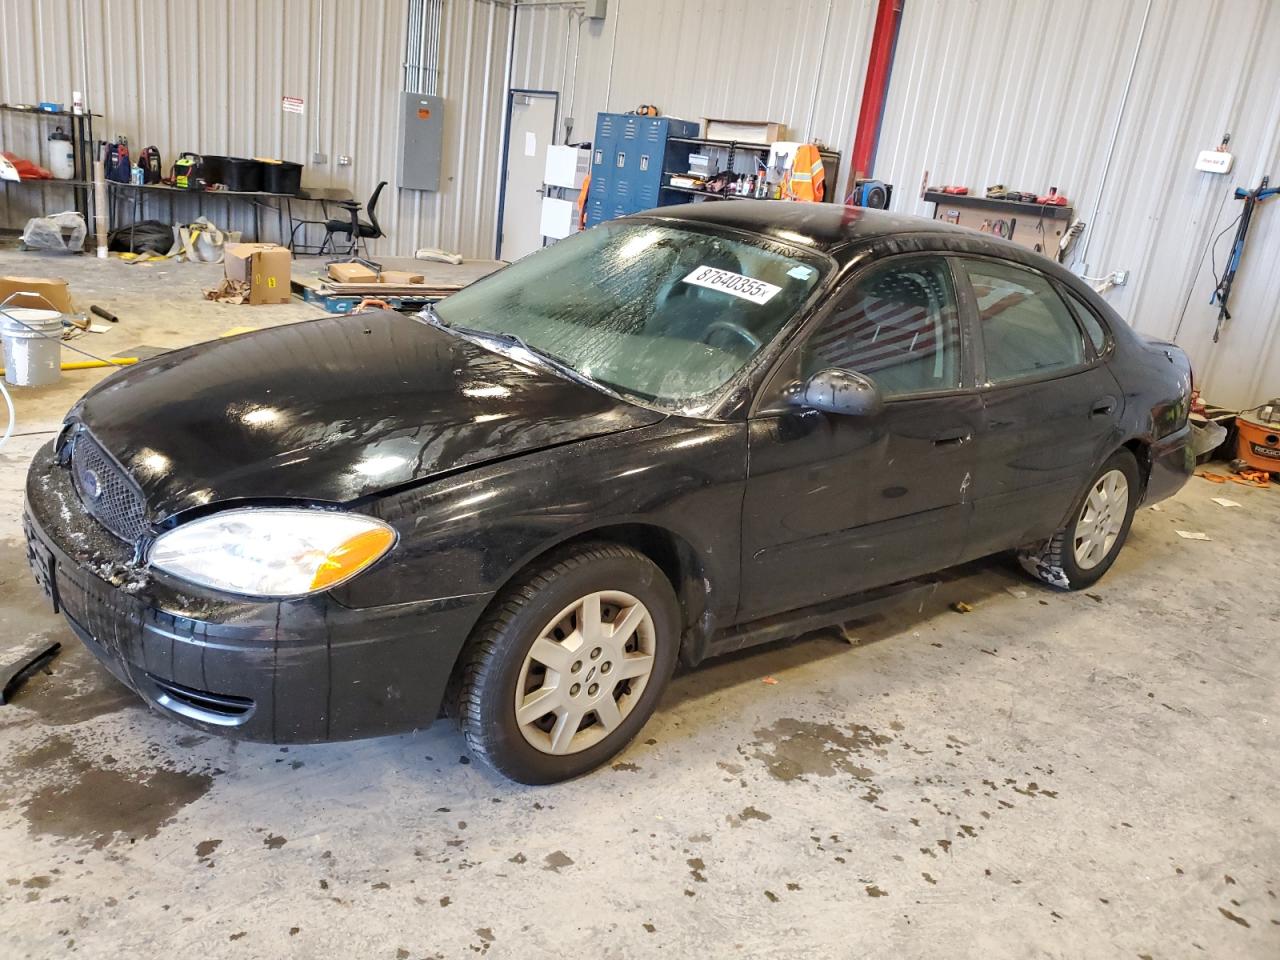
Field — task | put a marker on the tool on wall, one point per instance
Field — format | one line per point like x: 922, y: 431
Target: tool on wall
x: 1222, y: 292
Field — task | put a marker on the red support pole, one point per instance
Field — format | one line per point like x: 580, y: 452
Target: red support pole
x: 875, y: 89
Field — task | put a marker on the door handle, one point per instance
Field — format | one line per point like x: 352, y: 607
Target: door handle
x: 1103, y: 407
x: 953, y: 439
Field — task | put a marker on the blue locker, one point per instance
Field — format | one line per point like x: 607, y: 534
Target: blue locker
x: 628, y: 158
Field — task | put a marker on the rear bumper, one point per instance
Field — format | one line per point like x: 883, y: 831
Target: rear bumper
x: 295, y: 671
x: 1172, y: 464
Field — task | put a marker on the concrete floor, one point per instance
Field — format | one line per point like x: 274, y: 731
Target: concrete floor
x: 1082, y: 775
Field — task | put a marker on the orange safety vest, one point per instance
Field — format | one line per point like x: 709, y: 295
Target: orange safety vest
x: 807, y: 179
x: 582, y: 202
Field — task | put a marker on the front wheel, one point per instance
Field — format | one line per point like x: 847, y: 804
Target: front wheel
x: 569, y: 663
x: 1081, y: 552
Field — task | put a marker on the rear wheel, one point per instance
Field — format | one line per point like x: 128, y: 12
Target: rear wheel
x: 569, y: 664
x: 1081, y: 552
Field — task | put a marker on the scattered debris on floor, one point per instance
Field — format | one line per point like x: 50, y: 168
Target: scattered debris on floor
x: 1251, y: 478
x: 229, y: 291
x: 1224, y: 502
x: 1192, y: 535
x: 961, y: 607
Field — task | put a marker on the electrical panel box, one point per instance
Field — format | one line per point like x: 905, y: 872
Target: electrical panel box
x: 421, y: 141
x: 628, y: 160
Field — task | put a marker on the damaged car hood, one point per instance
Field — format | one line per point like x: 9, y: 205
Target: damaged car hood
x: 332, y: 410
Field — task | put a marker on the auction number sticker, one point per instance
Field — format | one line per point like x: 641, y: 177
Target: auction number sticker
x: 757, y: 291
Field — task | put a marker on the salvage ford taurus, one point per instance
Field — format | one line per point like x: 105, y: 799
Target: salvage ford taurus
x: 671, y: 436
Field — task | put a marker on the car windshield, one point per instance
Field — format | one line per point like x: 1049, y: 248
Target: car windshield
x: 657, y: 313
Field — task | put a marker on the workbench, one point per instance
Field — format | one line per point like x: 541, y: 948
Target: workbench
x: 135, y: 194
x: 1036, y: 226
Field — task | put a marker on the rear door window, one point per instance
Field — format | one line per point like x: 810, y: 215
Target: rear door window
x: 1026, y: 329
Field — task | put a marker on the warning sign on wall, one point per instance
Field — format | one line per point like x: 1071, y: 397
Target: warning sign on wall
x: 292, y: 105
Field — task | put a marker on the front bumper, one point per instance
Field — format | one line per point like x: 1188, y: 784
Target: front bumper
x: 292, y: 671
x: 1172, y: 464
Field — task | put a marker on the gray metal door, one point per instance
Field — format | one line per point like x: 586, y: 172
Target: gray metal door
x: 531, y: 125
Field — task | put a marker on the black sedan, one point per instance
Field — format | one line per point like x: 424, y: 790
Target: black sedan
x: 671, y: 436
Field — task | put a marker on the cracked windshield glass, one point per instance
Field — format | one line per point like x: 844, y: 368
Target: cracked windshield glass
x: 663, y: 315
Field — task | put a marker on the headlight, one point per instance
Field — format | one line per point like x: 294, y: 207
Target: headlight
x: 272, y: 552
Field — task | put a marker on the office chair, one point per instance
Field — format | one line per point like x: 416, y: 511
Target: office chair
x: 357, y: 231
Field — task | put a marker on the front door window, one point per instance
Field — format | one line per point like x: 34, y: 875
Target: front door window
x: 898, y: 325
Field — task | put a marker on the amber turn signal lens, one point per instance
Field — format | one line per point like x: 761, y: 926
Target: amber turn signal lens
x: 352, y: 556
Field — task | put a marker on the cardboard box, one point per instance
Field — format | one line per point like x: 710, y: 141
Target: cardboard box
x: 266, y: 267
x: 743, y: 131
x: 35, y: 291
x: 352, y: 273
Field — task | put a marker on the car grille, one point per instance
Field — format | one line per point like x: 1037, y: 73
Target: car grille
x: 106, y: 491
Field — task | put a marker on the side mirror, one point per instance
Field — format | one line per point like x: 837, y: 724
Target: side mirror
x: 839, y: 391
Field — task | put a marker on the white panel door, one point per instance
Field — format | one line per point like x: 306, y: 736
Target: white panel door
x: 532, y: 125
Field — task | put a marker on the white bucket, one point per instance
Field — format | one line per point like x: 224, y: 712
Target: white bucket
x: 32, y: 346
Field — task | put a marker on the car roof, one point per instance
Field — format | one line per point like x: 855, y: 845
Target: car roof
x: 845, y: 233
x: 829, y: 227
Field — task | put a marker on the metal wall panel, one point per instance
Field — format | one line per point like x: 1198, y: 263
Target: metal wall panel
x: 1024, y: 92
x: 208, y: 76
x: 1027, y: 93
x: 798, y: 62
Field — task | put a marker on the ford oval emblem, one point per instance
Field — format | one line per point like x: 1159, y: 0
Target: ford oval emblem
x: 92, y: 484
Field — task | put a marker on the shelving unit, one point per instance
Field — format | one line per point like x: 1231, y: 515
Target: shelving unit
x: 81, y: 149
x: 830, y: 162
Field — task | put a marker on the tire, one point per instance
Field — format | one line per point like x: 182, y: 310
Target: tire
x: 549, y: 608
x: 1080, y: 553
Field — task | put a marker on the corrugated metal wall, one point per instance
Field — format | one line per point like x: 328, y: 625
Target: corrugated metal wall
x: 1027, y: 93
x: 798, y: 62
x: 208, y: 76
x: 1024, y: 92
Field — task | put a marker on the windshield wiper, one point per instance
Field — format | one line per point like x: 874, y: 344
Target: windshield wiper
x: 428, y: 314
x: 541, y: 356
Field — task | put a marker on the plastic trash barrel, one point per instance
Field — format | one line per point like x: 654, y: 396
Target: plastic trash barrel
x: 32, y: 346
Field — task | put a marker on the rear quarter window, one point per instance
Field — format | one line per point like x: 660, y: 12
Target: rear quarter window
x: 1093, y: 327
x: 1027, y: 330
